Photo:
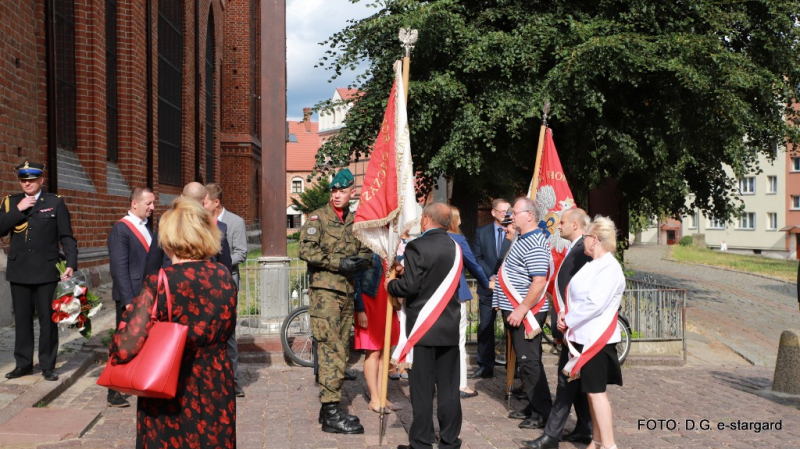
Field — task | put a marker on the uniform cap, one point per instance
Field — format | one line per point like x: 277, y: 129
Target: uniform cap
x: 29, y: 170
x: 342, y: 180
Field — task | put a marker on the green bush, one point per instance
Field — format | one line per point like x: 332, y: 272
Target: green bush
x: 294, y: 236
x: 686, y: 240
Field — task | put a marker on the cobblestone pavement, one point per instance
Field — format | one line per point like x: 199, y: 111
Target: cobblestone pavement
x: 280, y: 411
x: 744, y: 312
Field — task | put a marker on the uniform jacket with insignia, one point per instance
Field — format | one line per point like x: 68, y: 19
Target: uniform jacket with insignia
x: 324, y: 242
x: 35, y: 235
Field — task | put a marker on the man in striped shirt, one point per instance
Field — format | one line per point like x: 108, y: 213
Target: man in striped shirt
x: 523, y: 279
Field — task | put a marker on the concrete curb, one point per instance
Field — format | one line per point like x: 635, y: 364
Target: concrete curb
x: 729, y: 270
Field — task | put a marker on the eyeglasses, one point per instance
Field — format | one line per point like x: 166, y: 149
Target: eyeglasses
x: 520, y: 212
x: 501, y: 212
x: 594, y: 237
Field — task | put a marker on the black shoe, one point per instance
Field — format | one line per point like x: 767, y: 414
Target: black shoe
x: 532, y: 423
x: 543, y: 442
x: 353, y: 418
x: 334, y: 420
x: 50, y: 374
x: 239, y: 391
x: 577, y: 437
x: 525, y: 413
x: 349, y: 374
x: 19, y: 372
x: 403, y: 446
x: 481, y: 373
x: 116, y: 399
x: 465, y: 395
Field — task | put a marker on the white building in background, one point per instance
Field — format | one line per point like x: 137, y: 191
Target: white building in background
x: 759, y: 228
x: 332, y: 119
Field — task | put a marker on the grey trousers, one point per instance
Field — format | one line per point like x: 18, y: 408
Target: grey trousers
x: 233, y: 348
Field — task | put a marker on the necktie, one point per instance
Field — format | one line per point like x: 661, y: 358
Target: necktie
x: 500, y: 238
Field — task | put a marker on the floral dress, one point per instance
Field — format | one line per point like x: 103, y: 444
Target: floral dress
x: 203, y: 412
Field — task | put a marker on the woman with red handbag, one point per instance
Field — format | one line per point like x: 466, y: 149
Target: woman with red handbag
x: 203, y: 297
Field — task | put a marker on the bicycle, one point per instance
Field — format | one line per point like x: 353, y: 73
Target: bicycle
x: 296, y: 338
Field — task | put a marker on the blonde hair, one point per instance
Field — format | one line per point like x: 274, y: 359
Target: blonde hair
x: 604, y: 229
x: 188, y: 231
x: 455, y: 220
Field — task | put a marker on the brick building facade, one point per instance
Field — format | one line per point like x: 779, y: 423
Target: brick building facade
x: 118, y: 94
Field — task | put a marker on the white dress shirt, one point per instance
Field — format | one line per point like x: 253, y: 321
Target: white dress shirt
x: 595, y: 293
x: 140, y: 225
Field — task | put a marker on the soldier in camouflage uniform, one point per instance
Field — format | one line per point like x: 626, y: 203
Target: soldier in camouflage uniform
x: 333, y: 255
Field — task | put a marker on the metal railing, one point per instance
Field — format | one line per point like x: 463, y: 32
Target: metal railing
x: 262, y: 304
x: 655, y: 312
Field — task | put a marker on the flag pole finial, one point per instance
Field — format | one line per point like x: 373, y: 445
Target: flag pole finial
x: 545, y: 112
x: 408, y: 38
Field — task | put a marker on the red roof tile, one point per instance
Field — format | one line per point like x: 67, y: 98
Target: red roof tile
x: 301, y: 155
x: 347, y: 94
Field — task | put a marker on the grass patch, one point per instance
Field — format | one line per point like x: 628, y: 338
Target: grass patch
x: 778, y: 268
x: 291, y: 250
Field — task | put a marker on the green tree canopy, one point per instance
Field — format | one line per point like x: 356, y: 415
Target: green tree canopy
x: 657, y: 95
x: 313, y: 197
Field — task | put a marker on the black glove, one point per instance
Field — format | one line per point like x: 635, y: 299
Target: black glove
x: 353, y: 264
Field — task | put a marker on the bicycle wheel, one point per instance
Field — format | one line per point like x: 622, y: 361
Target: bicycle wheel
x: 624, y: 345
x: 296, y: 337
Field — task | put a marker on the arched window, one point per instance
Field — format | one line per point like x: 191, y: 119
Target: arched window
x: 297, y: 185
x: 210, y: 84
x: 170, y: 88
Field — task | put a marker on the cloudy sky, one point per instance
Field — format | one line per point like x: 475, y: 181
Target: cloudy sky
x: 309, y: 22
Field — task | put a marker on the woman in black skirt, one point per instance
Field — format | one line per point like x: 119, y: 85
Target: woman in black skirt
x: 590, y: 325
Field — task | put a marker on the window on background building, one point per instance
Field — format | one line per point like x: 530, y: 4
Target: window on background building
x: 772, y: 221
x: 297, y: 185
x: 66, y: 125
x: 210, y: 84
x: 716, y: 223
x: 293, y: 138
x: 693, y: 220
x: 772, y: 184
x: 747, y: 185
x: 796, y: 164
x: 170, y: 88
x: 747, y: 221
x: 112, y: 105
x: 795, y: 202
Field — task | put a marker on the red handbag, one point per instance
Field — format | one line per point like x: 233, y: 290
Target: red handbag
x: 153, y: 373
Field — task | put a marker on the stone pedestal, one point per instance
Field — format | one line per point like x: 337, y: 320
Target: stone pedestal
x: 274, y: 283
x: 787, y: 366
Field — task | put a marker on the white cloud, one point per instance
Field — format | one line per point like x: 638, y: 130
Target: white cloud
x: 309, y: 22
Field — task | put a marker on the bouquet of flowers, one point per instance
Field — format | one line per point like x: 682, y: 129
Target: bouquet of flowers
x: 73, y: 304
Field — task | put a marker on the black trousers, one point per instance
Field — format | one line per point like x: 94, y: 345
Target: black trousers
x: 27, y: 298
x: 435, y: 370
x: 529, y: 364
x: 486, y: 333
x: 567, y: 394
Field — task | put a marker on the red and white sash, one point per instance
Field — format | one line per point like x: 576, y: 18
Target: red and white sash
x: 403, y: 354
x: 137, y: 233
x: 532, y: 328
x: 579, y: 358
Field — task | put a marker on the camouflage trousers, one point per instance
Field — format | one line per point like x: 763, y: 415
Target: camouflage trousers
x: 331, y: 318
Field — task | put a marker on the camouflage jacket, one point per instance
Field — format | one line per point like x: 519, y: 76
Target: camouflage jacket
x: 324, y: 242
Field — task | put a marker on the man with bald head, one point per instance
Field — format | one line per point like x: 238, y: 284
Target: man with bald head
x: 572, y: 226
x: 429, y: 261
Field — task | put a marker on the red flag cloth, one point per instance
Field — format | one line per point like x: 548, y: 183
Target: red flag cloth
x: 553, y: 193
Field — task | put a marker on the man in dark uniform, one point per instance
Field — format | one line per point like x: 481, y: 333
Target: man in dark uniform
x: 37, y: 223
x: 333, y: 255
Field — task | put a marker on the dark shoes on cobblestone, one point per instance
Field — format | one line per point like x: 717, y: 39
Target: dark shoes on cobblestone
x: 534, y: 422
x: 353, y: 418
x: 482, y: 373
x: 239, y: 392
x: 50, y: 374
x: 335, y: 420
x: 520, y: 414
x: 543, y: 442
x: 116, y: 399
x: 577, y: 437
x: 519, y: 393
x: 19, y: 372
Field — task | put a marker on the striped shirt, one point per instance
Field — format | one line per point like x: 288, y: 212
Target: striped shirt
x: 528, y: 257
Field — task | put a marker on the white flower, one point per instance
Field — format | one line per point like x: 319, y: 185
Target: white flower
x: 94, y: 310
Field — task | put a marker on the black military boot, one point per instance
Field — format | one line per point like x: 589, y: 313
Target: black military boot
x: 334, y: 420
x: 349, y: 417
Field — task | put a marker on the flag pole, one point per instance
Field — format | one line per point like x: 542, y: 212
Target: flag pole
x: 510, y: 352
x: 407, y: 38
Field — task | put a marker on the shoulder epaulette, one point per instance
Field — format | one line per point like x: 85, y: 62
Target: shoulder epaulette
x: 6, y: 206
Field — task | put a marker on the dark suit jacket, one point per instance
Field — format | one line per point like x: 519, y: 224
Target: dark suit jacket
x: 157, y: 259
x: 35, y: 237
x: 127, y: 257
x: 571, y: 264
x: 428, y: 259
x: 485, y: 251
x: 471, y: 265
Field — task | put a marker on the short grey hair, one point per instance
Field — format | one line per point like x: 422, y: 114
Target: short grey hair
x: 439, y: 213
x: 528, y: 205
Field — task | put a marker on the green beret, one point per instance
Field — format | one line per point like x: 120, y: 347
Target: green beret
x: 342, y: 180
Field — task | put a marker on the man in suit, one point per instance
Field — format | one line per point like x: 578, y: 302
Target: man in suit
x: 37, y: 222
x: 428, y: 261
x: 128, y: 245
x: 572, y: 225
x: 489, y: 248
x: 157, y: 259
x: 238, y: 242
